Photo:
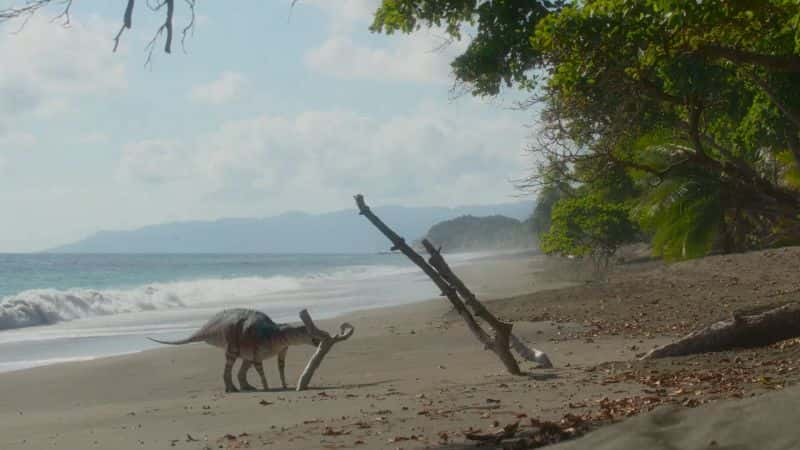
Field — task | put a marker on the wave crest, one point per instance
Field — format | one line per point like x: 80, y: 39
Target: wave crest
x: 48, y: 306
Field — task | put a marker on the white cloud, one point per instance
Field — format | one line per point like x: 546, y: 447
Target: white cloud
x: 154, y: 161
x: 320, y: 158
x: 226, y: 88
x: 94, y: 137
x: 12, y: 141
x: 50, y: 65
x: 16, y: 140
x: 422, y: 57
x: 346, y: 14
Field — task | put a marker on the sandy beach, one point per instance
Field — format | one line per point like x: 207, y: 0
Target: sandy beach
x: 413, y: 377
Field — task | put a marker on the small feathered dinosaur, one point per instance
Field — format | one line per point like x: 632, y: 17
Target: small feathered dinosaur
x: 253, y: 337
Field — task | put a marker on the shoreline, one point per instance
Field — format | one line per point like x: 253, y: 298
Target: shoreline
x: 413, y: 377
x: 101, y: 340
x: 410, y: 348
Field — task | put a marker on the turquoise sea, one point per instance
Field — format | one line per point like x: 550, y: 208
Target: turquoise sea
x: 56, y: 308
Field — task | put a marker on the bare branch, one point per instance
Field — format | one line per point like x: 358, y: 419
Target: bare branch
x: 168, y: 25
x: 326, y: 342
x: 64, y: 15
x: 31, y: 7
x: 189, y: 28
x: 127, y: 22
x: 454, y: 290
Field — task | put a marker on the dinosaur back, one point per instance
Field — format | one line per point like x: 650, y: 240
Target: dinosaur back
x: 254, y: 323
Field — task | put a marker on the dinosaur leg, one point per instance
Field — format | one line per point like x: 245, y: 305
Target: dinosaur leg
x: 242, y: 375
x: 227, y: 377
x: 260, y: 369
x: 282, y: 366
x: 232, y: 351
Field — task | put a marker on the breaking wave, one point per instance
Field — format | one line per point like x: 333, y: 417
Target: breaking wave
x: 48, y: 306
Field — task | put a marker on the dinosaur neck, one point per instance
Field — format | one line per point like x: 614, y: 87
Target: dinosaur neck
x: 296, y: 335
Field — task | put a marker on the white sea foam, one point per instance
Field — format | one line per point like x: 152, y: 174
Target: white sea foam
x: 49, y: 306
x: 27, y: 364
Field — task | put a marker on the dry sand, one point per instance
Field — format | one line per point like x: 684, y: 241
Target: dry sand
x: 411, y: 377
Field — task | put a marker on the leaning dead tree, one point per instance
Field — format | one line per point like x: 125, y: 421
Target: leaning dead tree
x: 463, y: 300
x: 740, y: 331
x: 326, y: 341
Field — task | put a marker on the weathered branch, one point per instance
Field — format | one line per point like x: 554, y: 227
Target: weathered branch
x: 127, y: 22
x: 189, y: 26
x: 740, y: 331
x: 32, y: 7
x: 451, y: 286
x: 326, y: 342
x: 168, y: 25
x: 530, y: 354
x: 503, y: 336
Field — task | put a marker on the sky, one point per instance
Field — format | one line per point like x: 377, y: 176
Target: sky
x: 269, y: 109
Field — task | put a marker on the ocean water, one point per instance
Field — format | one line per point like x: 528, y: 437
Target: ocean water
x: 56, y: 308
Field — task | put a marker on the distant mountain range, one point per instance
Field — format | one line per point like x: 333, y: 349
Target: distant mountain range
x: 295, y: 232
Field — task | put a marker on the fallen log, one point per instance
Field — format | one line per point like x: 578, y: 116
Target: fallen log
x: 740, y: 331
x: 453, y: 289
x: 326, y: 342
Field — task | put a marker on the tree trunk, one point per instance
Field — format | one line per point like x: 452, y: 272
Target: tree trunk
x: 326, y: 341
x: 741, y: 331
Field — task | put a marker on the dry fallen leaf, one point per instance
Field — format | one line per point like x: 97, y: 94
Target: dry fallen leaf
x: 330, y: 431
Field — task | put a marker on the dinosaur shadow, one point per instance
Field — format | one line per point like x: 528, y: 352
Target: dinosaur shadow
x: 350, y: 386
x: 317, y: 388
x: 540, y: 376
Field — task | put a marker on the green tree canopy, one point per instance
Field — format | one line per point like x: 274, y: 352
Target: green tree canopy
x: 499, y: 53
x: 696, y: 102
x: 588, y: 226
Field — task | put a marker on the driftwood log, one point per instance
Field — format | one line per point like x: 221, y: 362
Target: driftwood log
x: 740, y: 331
x: 461, y: 298
x: 326, y: 341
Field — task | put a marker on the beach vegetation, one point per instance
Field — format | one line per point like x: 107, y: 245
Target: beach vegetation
x: 588, y: 226
x: 685, y: 114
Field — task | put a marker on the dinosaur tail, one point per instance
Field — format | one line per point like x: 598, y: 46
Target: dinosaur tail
x: 188, y: 340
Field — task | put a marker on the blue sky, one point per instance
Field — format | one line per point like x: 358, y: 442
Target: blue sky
x: 263, y: 114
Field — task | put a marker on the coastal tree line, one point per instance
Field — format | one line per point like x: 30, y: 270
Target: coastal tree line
x: 672, y: 121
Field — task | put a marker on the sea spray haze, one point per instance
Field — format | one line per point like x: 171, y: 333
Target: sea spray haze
x: 56, y: 308
x: 50, y: 288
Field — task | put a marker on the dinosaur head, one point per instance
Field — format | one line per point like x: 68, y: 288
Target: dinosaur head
x: 310, y: 339
x: 299, y: 335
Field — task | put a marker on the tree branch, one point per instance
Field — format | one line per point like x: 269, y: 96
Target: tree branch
x: 791, y: 113
x: 776, y: 63
x: 502, y: 329
x: 32, y: 7
x: 451, y: 287
x: 127, y: 22
x: 326, y: 342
